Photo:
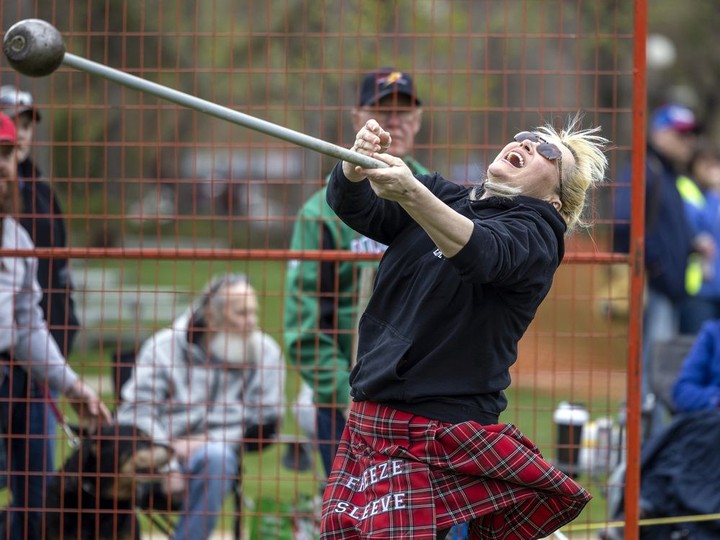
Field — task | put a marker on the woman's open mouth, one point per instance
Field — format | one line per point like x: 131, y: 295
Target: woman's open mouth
x: 515, y: 159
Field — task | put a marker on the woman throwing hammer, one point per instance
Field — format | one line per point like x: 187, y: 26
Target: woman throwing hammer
x: 463, y: 276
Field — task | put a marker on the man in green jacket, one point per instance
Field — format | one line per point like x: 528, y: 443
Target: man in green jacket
x: 323, y: 298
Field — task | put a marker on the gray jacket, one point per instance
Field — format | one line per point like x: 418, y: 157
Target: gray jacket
x: 178, y: 390
x: 24, y: 334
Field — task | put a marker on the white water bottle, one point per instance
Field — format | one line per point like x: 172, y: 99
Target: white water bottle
x: 569, y: 419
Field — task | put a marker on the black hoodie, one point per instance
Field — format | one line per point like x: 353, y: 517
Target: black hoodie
x: 42, y: 218
x: 439, y: 335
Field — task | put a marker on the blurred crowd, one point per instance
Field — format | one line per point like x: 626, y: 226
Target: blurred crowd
x: 681, y: 326
x: 682, y: 234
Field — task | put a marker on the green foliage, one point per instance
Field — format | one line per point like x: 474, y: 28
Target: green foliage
x: 297, y: 63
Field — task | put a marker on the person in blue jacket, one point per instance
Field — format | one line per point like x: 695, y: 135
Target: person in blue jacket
x: 700, y: 190
x: 697, y: 387
x: 669, y: 238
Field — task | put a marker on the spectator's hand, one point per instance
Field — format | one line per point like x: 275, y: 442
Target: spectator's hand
x: 173, y: 485
x: 88, y: 406
x: 186, y: 447
x: 705, y: 245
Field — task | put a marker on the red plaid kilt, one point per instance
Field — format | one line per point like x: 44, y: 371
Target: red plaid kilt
x: 401, y: 476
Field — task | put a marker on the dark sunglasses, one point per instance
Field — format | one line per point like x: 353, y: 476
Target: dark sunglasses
x: 546, y: 149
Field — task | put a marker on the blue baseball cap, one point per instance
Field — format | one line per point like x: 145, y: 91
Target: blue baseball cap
x: 384, y: 82
x: 675, y: 117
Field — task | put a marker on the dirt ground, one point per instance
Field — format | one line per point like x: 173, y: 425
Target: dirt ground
x: 573, y: 347
x: 569, y: 373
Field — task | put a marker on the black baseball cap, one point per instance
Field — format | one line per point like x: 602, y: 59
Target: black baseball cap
x: 14, y: 102
x: 384, y: 82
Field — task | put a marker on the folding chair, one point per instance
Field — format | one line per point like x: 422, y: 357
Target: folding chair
x: 152, y: 502
x: 668, y: 358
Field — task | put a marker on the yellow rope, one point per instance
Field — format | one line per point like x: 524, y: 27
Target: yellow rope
x: 643, y: 522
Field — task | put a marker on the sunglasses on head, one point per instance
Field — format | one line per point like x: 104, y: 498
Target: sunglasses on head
x: 546, y: 149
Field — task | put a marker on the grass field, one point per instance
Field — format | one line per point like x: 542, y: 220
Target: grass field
x: 544, y: 360
x: 265, y: 477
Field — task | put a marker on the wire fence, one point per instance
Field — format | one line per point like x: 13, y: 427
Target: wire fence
x: 157, y: 199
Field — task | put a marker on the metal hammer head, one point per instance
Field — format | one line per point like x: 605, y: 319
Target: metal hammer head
x: 34, y: 47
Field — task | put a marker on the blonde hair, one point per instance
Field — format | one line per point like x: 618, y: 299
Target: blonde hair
x: 589, y: 168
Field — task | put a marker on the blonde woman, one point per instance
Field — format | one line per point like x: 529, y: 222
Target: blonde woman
x: 465, y: 271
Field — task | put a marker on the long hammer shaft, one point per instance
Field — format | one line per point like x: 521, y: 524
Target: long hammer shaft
x: 218, y: 111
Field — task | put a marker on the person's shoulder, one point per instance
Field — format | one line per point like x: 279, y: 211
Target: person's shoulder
x: 657, y: 165
x: 521, y: 206
x: 712, y: 196
x: 39, y: 187
x: 270, y: 347
x: 17, y: 234
x: 444, y: 188
x: 711, y: 326
x: 158, y: 346
x: 538, y: 215
x: 28, y: 169
x: 163, y: 335
x: 415, y: 166
x: 315, y: 203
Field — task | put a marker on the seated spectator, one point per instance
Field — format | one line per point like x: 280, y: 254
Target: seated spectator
x: 669, y: 238
x: 680, y: 465
x: 679, y: 475
x: 208, y: 385
x: 698, y: 384
x: 26, y: 342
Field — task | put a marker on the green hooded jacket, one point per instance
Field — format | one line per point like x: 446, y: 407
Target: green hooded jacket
x: 320, y: 298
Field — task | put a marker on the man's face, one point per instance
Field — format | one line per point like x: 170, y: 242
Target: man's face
x: 396, y: 113
x: 8, y: 171
x: 233, y: 331
x: 706, y: 172
x: 237, y: 312
x: 677, y: 146
x: 25, y: 126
